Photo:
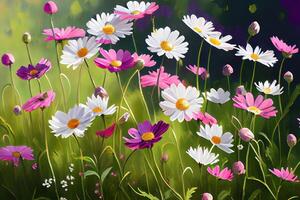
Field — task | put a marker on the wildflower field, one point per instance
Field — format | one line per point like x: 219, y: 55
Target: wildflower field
x: 148, y: 100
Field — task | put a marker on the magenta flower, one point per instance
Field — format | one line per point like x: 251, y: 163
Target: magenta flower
x: 205, y: 118
x: 165, y: 79
x: 285, y: 174
x: 15, y: 153
x: 145, y: 135
x: 259, y: 106
x: 106, y: 133
x: 71, y: 32
x: 284, y: 48
x: 7, y: 59
x: 201, y: 71
x: 145, y: 59
x: 115, y: 61
x: 50, y: 7
x: 34, y: 72
x: 42, y: 100
x: 135, y: 10
x: 225, y: 174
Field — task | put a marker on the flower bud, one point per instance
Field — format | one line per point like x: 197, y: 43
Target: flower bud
x: 100, y: 91
x: 291, y: 140
x: 50, y: 7
x: 207, y: 196
x: 26, y: 38
x: 124, y: 118
x: 238, y: 168
x: 240, y: 90
x: 164, y: 157
x: 34, y: 166
x: 139, y: 64
x: 246, y: 135
x: 17, y: 110
x: 227, y: 70
x: 288, y: 77
x: 254, y: 28
x: 7, y: 59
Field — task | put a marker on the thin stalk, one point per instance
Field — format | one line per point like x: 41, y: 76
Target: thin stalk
x: 228, y: 83
x: 243, y: 62
x: 28, y: 54
x: 124, y: 165
x: 207, y: 70
x: 104, y: 78
x: 78, y: 85
x: 246, y: 174
x: 39, y: 84
x: 89, y: 72
x: 278, y: 189
x: 158, y: 77
x: 288, y: 156
x: 143, y: 97
x: 198, y: 64
x: 279, y: 82
x: 253, y: 75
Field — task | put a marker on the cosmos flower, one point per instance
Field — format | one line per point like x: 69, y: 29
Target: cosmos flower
x: 285, y: 49
x: 205, y: 118
x: 107, y: 132
x: 225, y: 174
x: 199, y: 25
x: 218, y: 96
x: 220, y: 42
x: 259, y: 106
x: 166, y: 42
x: 42, y: 100
x: 146, y: 135
x: 76, y: 121
x: 76, y: 51
x: 201, y: 71
x: 109, y: 28
x: 266, y: 58
x: 145, y: 59
x: 136, y: 10
x: 115, y: 61
x: 165, y: 79
x: 34, y: 72
x: 203, y: 156
x: 70, y: 32
x: 180, y: 102
x: 269, y: 88
x: 99, y: 105
x: 285, y: 174
x: 215, y: 135
x: 16, y: 153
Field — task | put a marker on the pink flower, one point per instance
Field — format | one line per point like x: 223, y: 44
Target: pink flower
x: 34, y: 166
x: 205, y: 118
x: 70, y: 32
x: 115, y: 61
x: 287, y: 50
x: 106, y: 133
x: 42, y: 100
x: 50, y: 7
x: 145, y: 59
x: 7, y: 59
x: 285, y: 174
x: 225, y: 174
x: 259, y: 106
x: 238, y: 168
x: 201, y: 71
x: 142, y: 10
x: 15, y: 153
x: 165, y: 79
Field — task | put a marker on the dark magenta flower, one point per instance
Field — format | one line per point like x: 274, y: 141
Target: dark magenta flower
x: 50, y: 7
x: 34, y: 72
x: 106, y: 133
x: 145, y: 135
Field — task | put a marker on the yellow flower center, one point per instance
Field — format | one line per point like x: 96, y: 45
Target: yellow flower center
x: 167, y: 46
x: 216, y: 139
x: 33, y: 72
x: 16, y: 154
x: 215, y: 41
x: 267, y: 90
x: 97, y: 110
x: 108, y: 29
x: 135, y: 12
x: 254, y: 110
x: 73, y: 123
x: 147, y: 136
x: 182, y: 104
x: 82, y: 52
x: 197, y: 29
x: 255, y: 56
x: 116, y: 63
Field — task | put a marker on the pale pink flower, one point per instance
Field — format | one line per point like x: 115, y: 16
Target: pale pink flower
x: 70, y: 32
x: 287, y: 50
x: 205, y: 118
x: 145, y: 59
x: 285, y: 174
x: 201, y: 71
x: 42, y: 100
x: 259, y: 106
x: 225, y: 174
x: 165, y: 79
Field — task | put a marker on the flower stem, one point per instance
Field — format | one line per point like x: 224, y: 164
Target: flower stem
x: 124, y: 165
x: 89, y: 72
x: 228, y: 83
x: 28, y: 54
x: 198, y: 64
x: 247, y: 171
x: 78, y: 85
x: 157, y: 82
x: 143, y: 97
x: 253, y: 75
x: 207, y: 71
x: 243, y: 62
x: 279, y: 82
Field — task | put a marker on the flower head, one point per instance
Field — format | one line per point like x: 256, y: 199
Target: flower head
x: 34, y: 72
x: 203, y: 156
x: 15, y: 153
x: 50, y: 7
x: 100, y: 91
x: 246, y: 134
x: 99, y: 105
x: 218, y: 96
x: 269, y: 88
x: 42, y: 100
x: 225, y: 174
x: 76, y: 121
x: 146, y: 135
x: 288, y: 77
x: 240, y: 90
x: 70, y: 32
x: 291, y: 140
x: 238, y: 168
x: 26, y: 37
x: 180, y: 102
x: 201, y: 71
x: 7, y: 59
x: 220, y: 42
x: 207, y: 196
x: 166, y: 42
x: 165, y: 79
x: 227, y: 70
x: 285, y: 49
x: 107, y: 132
x: 199, y: 25
x: 285, y: 174
x: 259, y: 106
x: 145, y: 59
x: 254, y: 28
x: 205, y: 118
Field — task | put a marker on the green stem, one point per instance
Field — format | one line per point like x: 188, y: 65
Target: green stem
x: 207, y: 71
x: 78, y: 85
x: 253, y: 75
x: 39, y: 84
x: 142, y: 95
x: 158, y: 77
x: 278, y: 189
x: 104, y: 78
x: 243, y: 62
x: 228, y: 83
x: 279, y: 82
x: 198, y: 64
x: 28, y: 54
x: 247, y: 171
x: 124, y: 165
x: 89, y: 72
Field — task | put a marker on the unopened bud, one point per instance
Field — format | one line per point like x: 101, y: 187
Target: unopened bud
x: 288, y: 77
x: 291, y: 140
x: 227, y: 70
x: 254, y: 28
x: 100, y: 91
x: 246, y: 135
x: 26, y: 38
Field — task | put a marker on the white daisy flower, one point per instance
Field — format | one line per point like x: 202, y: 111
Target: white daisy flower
x: 108, y: 28
x: 215, y: 134
x: 218, y: 96
x: 180, y: 102
x: 199, y: 25
x: 220, y: 42
x: 203, y: 156
x: 76, y: 121
x: 98, y: 105
x: 269, y: 88
x: 266, y: 58
x: 166, y: 42
x: 76, y: 51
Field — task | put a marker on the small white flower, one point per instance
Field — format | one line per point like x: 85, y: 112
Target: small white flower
x: 76, y: 121
x: 76, y: 51
x: 166, y: 42
x: 240, y: 147
x: 220, y: 42
x: 199, y: 25
x: 180, y: 102
x: 203, y: 156
x: 215, y: 135
x: 218, y: 96
x: 63, y: 198
x: 268, y: 88
x: 266, y: 58
x: 98, y: 105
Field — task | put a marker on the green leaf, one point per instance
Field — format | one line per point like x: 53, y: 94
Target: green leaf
x: 143, y: 194
x: 87, y: 159
x: 254, y: 194
x: 105, y: 173
x: 91, y: 173
x: 272, y: 153
x: 222, y: 195
x: 190, y: 192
